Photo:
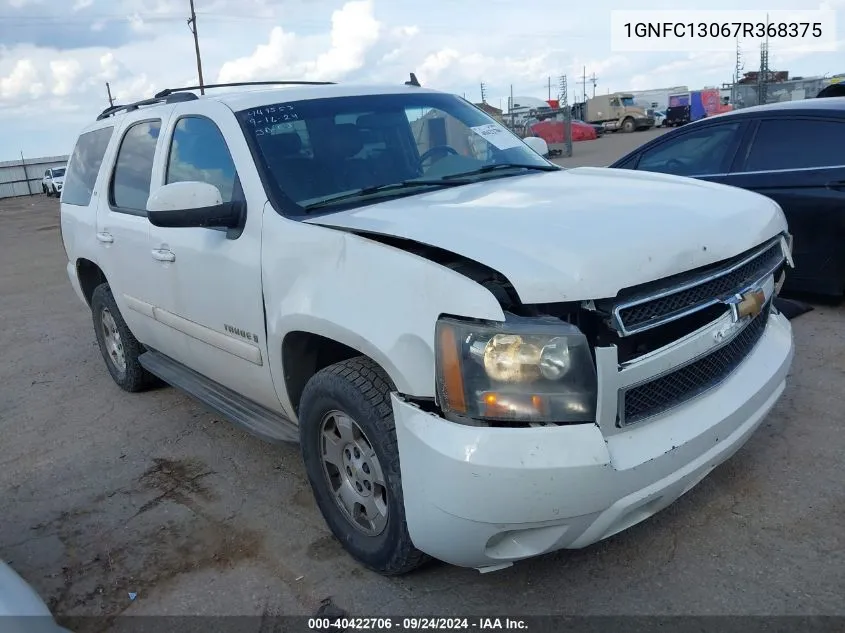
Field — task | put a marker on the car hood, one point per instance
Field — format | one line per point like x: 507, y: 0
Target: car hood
x: 60, y: 180
x: 578, y: 234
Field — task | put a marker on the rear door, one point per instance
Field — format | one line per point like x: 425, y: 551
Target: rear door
x: 800, y: 163
x: 122, y: 226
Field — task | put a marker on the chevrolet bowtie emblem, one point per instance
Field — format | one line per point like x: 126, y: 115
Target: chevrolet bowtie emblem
x: 751, y: 304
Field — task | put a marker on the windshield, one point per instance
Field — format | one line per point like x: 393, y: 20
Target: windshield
x: 627, y: 101
x: 318, y: 150
x: 57, y: 173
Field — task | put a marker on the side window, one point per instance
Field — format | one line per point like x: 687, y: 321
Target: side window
x: 796, y: 144
x: 697, y: 153
x: 628, y: 164
x: 198, y: 152
x: 133, y: 170
x: 84, y: 166
x: 47, y: 174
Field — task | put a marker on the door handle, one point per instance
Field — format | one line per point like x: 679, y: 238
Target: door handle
x: 104, y: 237
x: 163, y: 255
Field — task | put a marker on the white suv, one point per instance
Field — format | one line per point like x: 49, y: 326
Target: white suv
x: 483, y: 356
x: 53, y: 181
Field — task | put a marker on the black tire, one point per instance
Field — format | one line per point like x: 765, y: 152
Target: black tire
x: 360, y: 389
x: 628, y: 125
x: 132, y: 377
x: 44, y: 190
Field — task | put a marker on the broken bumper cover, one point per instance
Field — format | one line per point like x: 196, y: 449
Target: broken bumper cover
x: 482, y: 497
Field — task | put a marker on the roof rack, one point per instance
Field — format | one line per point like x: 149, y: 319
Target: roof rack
x: 129, y: 107
x: 169, y: 91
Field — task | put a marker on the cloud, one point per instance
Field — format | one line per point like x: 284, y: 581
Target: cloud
x: 24, y: 80
x: 712, y: 67
x: 58, y: 62
x: 354, y: 32
x: 65, y: 74
x: 267, y: 60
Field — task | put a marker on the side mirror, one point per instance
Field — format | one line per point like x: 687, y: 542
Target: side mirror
x: 537, y: 144
x: 192, y: 204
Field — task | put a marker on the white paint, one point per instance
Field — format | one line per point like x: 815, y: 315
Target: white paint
x: 531, y: 491
x: 538, y: 144
x: 184, y: 195
x: 561, y: 236
x: 475, y: 496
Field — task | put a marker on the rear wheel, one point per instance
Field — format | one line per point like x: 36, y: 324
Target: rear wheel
x: 348, y: 442
x: 119, y: 347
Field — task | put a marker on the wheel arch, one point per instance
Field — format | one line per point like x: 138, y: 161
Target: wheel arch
x: 304, y: 353
x: 90, y: 275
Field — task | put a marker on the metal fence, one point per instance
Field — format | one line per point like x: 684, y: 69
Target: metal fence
x: 23, y: 177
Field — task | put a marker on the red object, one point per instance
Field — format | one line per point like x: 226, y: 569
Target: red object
x: 554, y: 104
x: 555, y: 131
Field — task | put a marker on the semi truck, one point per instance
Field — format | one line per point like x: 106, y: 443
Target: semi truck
x: 617, y: 111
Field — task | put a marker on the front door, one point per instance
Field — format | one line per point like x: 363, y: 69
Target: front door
x: 208, y: 281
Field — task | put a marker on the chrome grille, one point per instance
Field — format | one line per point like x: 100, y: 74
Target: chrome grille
x: 693, y: 379
x: 634, y: 315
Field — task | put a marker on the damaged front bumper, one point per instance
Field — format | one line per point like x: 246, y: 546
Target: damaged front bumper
x: 484, y: 497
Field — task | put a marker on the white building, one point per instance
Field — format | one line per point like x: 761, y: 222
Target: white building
x: 656, y: 99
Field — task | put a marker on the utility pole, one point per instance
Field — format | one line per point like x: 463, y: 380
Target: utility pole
x: 594, y: 80
x: 510, y: 109
x: 584, y: 83
x: 737, y: 74
x: 108, y: 90
x: 567, y: 115
x: 192, y: 24
x: 550, y: 88
x: 763, y: 79
x: 483, y: 93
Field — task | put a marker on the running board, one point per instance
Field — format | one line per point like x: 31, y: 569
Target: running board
x: 258, y: 420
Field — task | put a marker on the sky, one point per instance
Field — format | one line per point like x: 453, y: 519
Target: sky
x: 57, y: 55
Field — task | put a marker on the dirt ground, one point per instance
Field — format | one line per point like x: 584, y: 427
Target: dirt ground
x: 106, y: 493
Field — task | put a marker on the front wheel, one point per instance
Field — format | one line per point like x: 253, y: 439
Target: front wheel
x: 348, y: 442
x: 628, y: 125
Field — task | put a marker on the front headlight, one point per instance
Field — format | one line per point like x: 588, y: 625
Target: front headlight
x: 526, y: 369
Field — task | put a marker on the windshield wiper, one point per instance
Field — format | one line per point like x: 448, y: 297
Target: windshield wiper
x: 368, y: 191
x: 495, y: 166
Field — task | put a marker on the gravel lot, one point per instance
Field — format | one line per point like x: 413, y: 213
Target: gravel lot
x: 106, y: 493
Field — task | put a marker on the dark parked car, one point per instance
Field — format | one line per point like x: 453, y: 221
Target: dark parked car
x: 792, y: 152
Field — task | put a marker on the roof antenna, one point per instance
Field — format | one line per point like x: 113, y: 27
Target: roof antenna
x: 413, y: 81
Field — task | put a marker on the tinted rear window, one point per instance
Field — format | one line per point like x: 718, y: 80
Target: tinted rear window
x: 797, y: 144
x: 84, y: 166
x: 134, y: 167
